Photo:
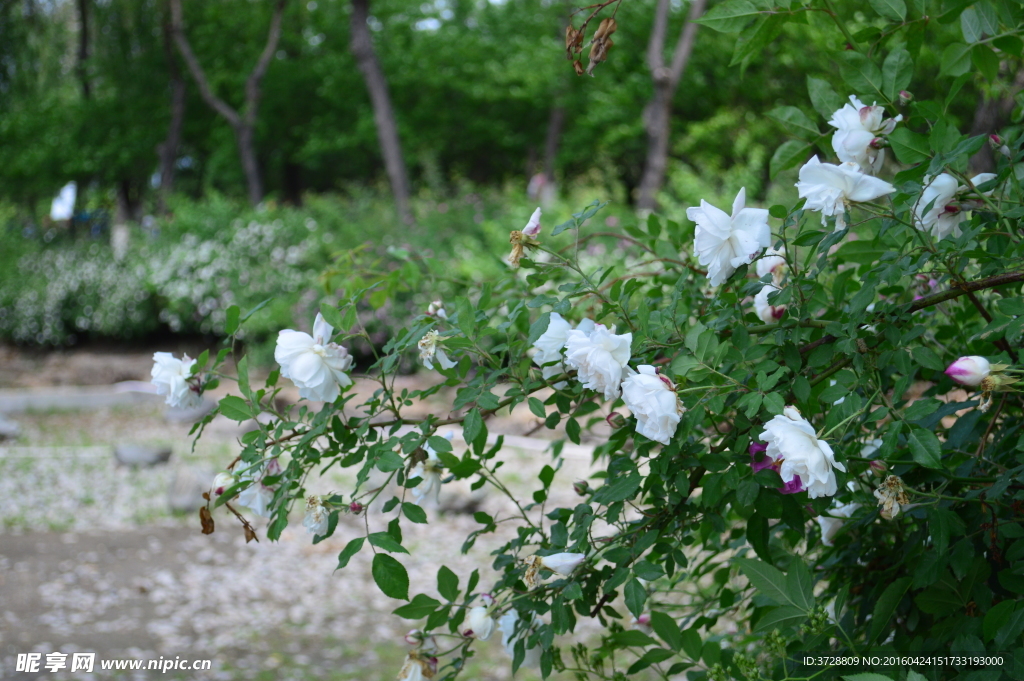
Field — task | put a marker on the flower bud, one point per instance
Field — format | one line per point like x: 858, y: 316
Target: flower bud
x: 878, y: 467
x: 969, y: 370
x: 532, y: 228
x: 581, y: 487
x: 616, y: 420
x: 905, y: 98
x: 414, y: 637
x: 879, y: 143
x: 436, y: 309
x: 355, y: 507
x: 222, y: 482
x: 998, y: 144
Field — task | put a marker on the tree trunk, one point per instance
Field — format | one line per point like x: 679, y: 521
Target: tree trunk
x: 552, y: 140
x: 658, y: 113
x: 990, y: 116
x: 242, y: 123
x: 83, y: 47
x: 383, y: 113
x: 168, y: 149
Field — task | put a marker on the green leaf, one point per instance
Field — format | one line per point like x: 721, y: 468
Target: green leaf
x: 925, y: 447
x: 472, y: 426
x: 897, y: 72
x: 729, y: 17
x: 795, y: 121
x: 414, y: 513
x: 860, y: 73
x: 886, y: 604
x: 620, y: 489
x: 636, y: 597
x: 756, y: 37
x: 927, y: 358
x: 447, y: 583
x: 648, y: 571
x: 232, y: 314
x: 439, y: 444
x: 384, y: 540
x: 780, y: 617
x: 986, y: 60
x: 538, y: 328
x: 766, y: 578
x: 254, y: 310
x: 537, y: 408
x: 351, y: 549
x: 997, y: 618
x: 692, y: 645
x: 235, y: 408
x: 800, y: 585
x: 970, y: 24
x: 667, y: 630
x: 909, y: 146
x: 390, y: 576
x: 868, y: 676
x: 893, y: 10
x: 390, y: 460
x: 421, y: 606
x: 823, y: 98
x: 788, y: 155
x: 956, y: 60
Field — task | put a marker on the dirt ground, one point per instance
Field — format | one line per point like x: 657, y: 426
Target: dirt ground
x: 93, y: 559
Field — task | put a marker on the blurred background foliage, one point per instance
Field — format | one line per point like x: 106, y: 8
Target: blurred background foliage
x: 85, y: 95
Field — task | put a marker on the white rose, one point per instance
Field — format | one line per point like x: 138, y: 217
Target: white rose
x: 257, y: 497
x: 507, y: 626
x: 550, y: 346
x: 769, y: 314
x: 947, y: 210
x: 722, y: 243
x: 831, y: 524
x: 479, y: 623
x: 430, y: 471
x: 563, y: 563
x: 317, y: 517
x: 857, y: 126
x: 772, y: 262
x: 652, y: 399
x: 599, y: 358
x: 793, y: 443
x: 431, y: 351
x: 314, y: 364
x: 221, y: 482
x: 830, y: 188
x: 172, y: 378
x: 970, y: 370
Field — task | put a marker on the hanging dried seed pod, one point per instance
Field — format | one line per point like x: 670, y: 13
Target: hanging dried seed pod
x: 573, y: 42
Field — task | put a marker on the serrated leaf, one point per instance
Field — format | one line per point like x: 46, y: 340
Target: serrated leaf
x: 414, y: 513
x: 909, y: 146
x: 419, y: 607
x: 823, y: 98
x: 860, y: 73
x: 886, y: 604
x: 780, y: 617
x: 384, y: 540
x: 232, y: 316
x: 390, y: 460
x: 447, y: 583
x: 897, y: 72
x: 351, y: 549
x: 636, y: 596
x: 788, y: 155
x: 235, y: 408
x: 800, y: 585
x: 766, y: 578
x: 795, y: 121
x: 868, y: 676
x: 729, y: 17
x: 667, y: 630
x: 925, y: 447
x: 956, y: 60
x: 472, y: 426
x: 893, y: 10
x: 390, y: 576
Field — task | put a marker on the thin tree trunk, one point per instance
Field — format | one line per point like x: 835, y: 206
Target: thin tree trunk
x: 990, y: 116
x: 83, y: 47
x: 243, y: 123
x: 168, y: 149
x: 383, y: 112
x: 658, y: 113
x: 554, y: 136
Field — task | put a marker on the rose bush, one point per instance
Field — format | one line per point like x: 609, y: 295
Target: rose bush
x: 800, y: 474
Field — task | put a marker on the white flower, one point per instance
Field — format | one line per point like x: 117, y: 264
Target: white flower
x: 643, y: 624
x: 772, y: 262
x: 969, y: 370
x: 768, y: 313
x: 831, y: 524
x: 221, y: 482
x: 317, y: 516
x: 891, y: 495
x: 258, y: 496
x: 436, y: 309
x: 431, y: 350
x: 722, y: 243
x: 599, y: 358
x: 792, y: 441
x: 870, y: 447
x: 563, y: 563
x: 314, y: 364
x: 507, y: 626
x: 532, y: 228
x: 857, y: 126
x: 652, y: 399
x: 947, y: 211
x: 479, y: 623
x: 430, y: 471
x: 550, y: 345
x: 830, y: 188
x: 418, y: 666
x: 171, y: 377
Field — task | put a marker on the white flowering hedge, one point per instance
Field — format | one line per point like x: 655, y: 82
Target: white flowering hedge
x: 816, y: 441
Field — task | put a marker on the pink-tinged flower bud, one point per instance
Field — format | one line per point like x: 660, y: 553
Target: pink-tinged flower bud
x: 616, y: 420
x: 414, y: 637
x: 969, y: 370
x: 878, y: 467
x: 355, y: 507
x: 581, y: 487
x: 879, y: 143
x: 532, y: 229
x: 995, y: 141
x: 222, y: 482
x: 905, y: 97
